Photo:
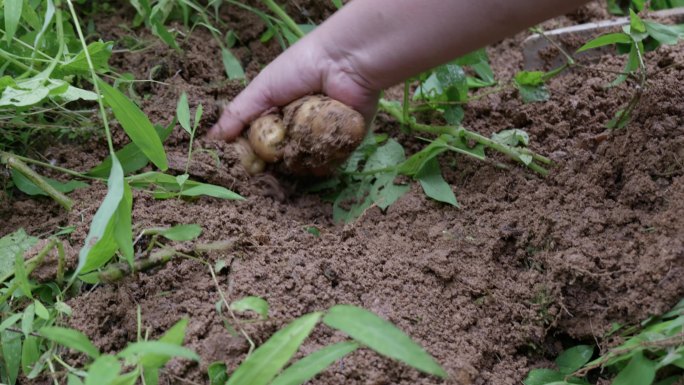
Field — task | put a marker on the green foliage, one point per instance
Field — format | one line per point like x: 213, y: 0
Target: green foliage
x: 255, y: 304
x: 656, y: 347
x: 622, y: 7
x: 268, y: 364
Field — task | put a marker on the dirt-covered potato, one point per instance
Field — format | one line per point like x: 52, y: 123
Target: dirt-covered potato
x: 252, y: 163
x: 314, y: 136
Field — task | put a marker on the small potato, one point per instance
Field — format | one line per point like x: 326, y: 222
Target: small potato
x: 266, y: 135
x: 249, y: 160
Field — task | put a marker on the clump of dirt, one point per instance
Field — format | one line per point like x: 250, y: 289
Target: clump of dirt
x: 491, y: 289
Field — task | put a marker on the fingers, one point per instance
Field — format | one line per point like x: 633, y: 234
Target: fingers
x: 247, y: 106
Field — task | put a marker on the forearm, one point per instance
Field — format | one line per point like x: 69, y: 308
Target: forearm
x: 387, y: 41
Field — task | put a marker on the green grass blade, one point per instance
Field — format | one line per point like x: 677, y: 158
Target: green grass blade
x: 183, y: 113
x: 123, y: 230
x: 212, y: 191
x: 104, y: 370
x: 181, y: 232
x: 136, y: 124
x: 157, y: 348
x: 12, y: 16
x: 70, y: 338
x: 316, y: 362
x: 381, y: 336
x: 232, y: 65
x: 11, y: 352
x: 271, y: 357
x: 607, y: 39
x: 175, y: 336
x: 99, y: 244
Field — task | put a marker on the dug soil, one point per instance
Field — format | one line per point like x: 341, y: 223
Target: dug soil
x: 526, y: 267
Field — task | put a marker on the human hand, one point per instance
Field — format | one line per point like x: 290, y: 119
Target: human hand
x: 309, y: 66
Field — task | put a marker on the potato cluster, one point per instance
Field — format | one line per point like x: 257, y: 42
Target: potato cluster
x: 311, y: 136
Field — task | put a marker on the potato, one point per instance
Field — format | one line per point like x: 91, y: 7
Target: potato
x: 252, y: 163
x: 266, y: 135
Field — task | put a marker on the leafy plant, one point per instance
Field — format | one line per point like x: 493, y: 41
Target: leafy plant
x: 656, y: 347
x: 268, y: 364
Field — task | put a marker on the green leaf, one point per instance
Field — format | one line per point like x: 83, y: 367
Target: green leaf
x: 41, y: 311
x: 388, y: 155
x: 136, y: 125
x: 12, y: 11
x: 384, y: 192
x: 210, y: 190
x: 543, y: 377
x: 531, y: 86
x: 183, y: 113
x: 574, y: 358
x: 20, y: 275
x: 607, y: 39
x: 316, y: 362
x: 70, y: 338
x: 29, y: 354
x: 529, y: 78
x: 198, y: 116
x: 130, y: 156
x: 665, y: 34
x: 29, y: 188
x: 181, y: 232
x: 157, y: 348
x: 103, y: 371
x: 10, y: 321
x: 162, y: 33
x: 255, y: 304
x: 232, y: 65
x: 217, y: 373
x: 174, y: 336
x: 123, y: 229
x: 635, y: 22
x: 453, y: 81
x: 29, y: 15
x: 514, y: 137
x: 639, y: 371
x: 99, y: 53
x: 10, y: 245
x: 381, y: 336
x: 129, y: 378
x: 100, y: 244
x: 434, y: 185
x: 11, y: 352
x: 271, y: 357
x: 27, y: 319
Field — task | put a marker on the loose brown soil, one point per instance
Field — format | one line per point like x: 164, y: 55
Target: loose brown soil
x: 525, y: 268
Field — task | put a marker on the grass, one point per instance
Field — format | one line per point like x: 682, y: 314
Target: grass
x: 56, y: 80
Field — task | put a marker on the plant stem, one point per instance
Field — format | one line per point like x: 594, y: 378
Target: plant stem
x: 31, y: 265
x: 15, y: 164
x: 282, y: 15
x: 24, y: 159
x: 116, y: 271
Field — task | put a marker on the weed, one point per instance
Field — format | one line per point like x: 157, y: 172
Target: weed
x: 656, y: 347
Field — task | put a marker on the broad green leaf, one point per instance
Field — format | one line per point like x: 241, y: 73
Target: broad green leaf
x: 29, y: 354
x: 174, y: 336
x: 529, y: 78
x: 388, y: 155
x: 10, y: 245
x: 70, y: 338
x: 316, y: 362
x: 384, y: 192
x: 635, y: 22
x: 255, y: 304
x: 607, y: 39
x: 217, y: 372
x: 151, y: 376
x: 103, y: 371
x: 27, y: 319
x: 543, y: 377
x: 136, y: 124
x: 181, y: 232
x: 12, y: 11
x: 10, y: 321
x: 381, y: 336
x: 454, y: 115
x: 183, y: 113
x: 78, y: 65
x: 434, y: 185
x: 129, y: 378
x: 665, y: 34
x: 198, y: 115
x: 11, y: 352
x: 123, y: 229
x: 73, y: 379
x: 29, y: 188
x: 100, y: 244
x: 356, y: 195
x: 453, y: 81
x: 267, y: 360
x: 161, y: 32
x: 130, y: 156
x: 41, y: 310
x: 639, y: 371
x: 232, y: 65
x: 574, y: 358
x: 29, y: 15
x: 532, y: 94
x: 157, y: 348
x: 514, y: 137
x: 210, y: 190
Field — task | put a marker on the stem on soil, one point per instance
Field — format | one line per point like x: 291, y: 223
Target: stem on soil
x: 16, y: 164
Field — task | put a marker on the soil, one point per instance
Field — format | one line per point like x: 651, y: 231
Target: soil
x: 525, y: 268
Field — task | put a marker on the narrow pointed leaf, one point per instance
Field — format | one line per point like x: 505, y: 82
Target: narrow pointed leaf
x: 70, y: 338
x: 316, y: 362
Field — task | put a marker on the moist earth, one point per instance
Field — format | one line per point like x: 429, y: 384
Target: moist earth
x: 526, y: 267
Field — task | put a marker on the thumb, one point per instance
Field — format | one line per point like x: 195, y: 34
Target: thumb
x: 246, y: 107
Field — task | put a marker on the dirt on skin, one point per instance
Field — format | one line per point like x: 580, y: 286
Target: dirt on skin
x: 525, y: 268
